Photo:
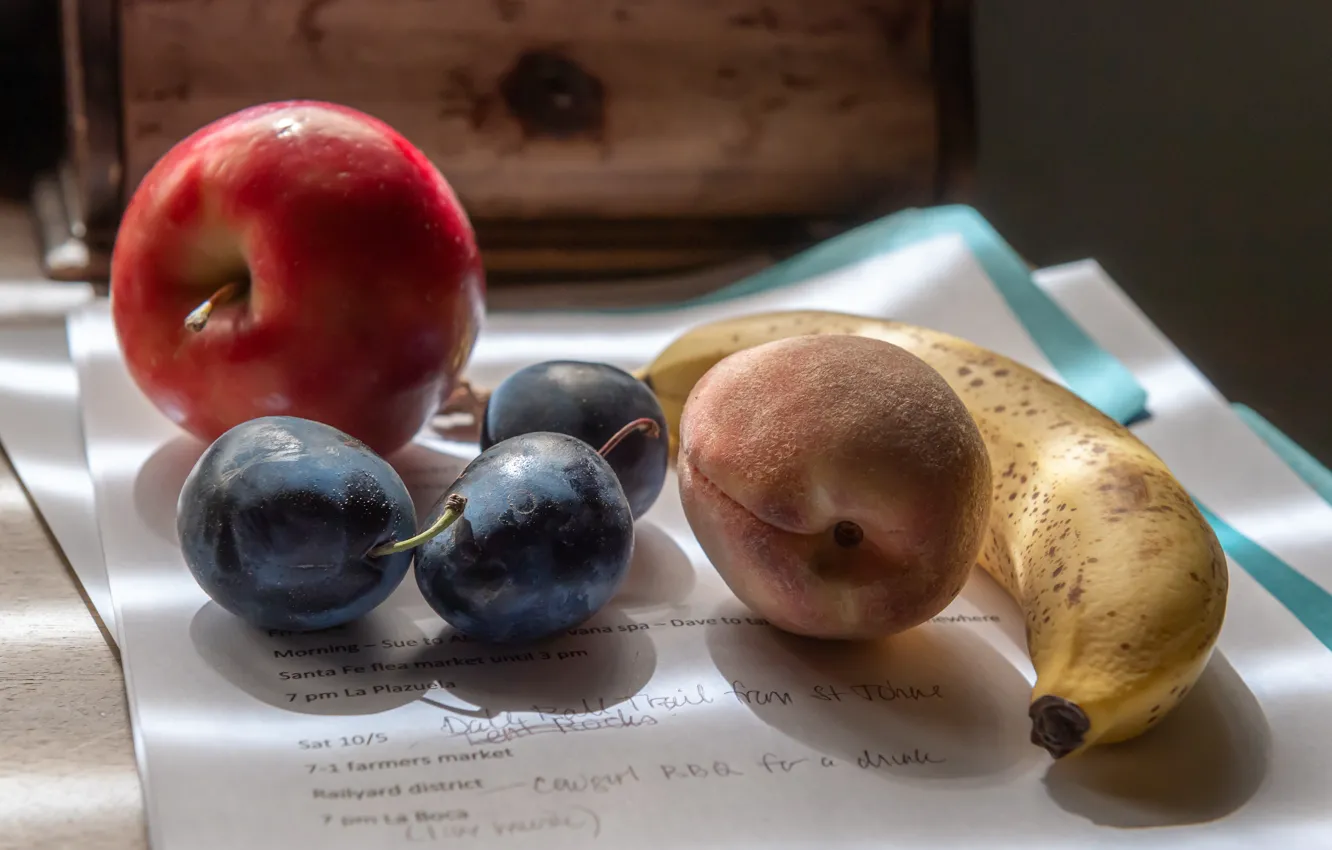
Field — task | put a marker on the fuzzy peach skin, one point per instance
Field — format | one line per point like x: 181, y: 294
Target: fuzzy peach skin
x: 837, y: 483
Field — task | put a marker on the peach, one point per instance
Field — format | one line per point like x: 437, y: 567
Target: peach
x: 837, y: 483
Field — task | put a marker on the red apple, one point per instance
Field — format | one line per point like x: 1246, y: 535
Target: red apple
x: 338, y: 275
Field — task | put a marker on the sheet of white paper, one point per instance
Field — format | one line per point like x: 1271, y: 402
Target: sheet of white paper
x: 42, y: 432
x: 675, y: 720
x: 1267, y: 697
x: 27, y: 301
x: 936, y: 283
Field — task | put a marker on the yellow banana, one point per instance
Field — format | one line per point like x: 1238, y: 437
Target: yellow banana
x: 1121, y: 581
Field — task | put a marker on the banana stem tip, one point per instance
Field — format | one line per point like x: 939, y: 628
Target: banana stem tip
x: 1058, y: 725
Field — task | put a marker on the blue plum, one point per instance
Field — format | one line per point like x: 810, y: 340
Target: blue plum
x: 278, y: 518
x: 590, y: 401
x: 543, y: 544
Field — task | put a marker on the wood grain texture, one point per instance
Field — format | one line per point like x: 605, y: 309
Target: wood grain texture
x: 67, y: 769
x: 630, y: 108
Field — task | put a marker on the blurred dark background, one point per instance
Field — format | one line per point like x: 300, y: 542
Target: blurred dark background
x: 1183, y: 145
x: 31, y: 92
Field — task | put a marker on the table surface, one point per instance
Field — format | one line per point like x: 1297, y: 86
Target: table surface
x: 67, y: 771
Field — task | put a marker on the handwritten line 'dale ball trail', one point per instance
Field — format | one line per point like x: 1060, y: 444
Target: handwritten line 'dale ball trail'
x: 1121, y: 581
x: 301, y: 259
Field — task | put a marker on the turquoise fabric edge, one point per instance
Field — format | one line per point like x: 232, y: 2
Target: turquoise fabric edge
x: 1296, y: 592
x: 1299, y: 594
x: 1305, y: 465
x: 1090, y: 371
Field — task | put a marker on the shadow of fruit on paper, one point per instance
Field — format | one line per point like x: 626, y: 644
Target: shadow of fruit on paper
x: 660, y: 574
x: 157, y: 486
x: 983, y: 597
x: 582, y: 680
x: 354, y: 669
x: 1205, y: 760
x: 935, y: 702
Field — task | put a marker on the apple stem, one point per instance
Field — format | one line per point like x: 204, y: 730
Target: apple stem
x: 198, y: 317
x: 644, y: 424
x: 453, y: 509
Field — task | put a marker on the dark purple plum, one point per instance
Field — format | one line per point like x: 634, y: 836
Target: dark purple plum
x: 590, y: 401
x: 543, y: 544
x: 278, y: 518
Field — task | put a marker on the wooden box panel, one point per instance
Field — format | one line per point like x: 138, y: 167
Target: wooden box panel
x: 579, y: 134
x: 671, y: 108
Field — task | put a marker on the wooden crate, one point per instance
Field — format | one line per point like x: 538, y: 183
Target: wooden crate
x: 582, y: 136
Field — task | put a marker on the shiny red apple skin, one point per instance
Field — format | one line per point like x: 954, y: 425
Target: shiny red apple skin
x: 366, y: 288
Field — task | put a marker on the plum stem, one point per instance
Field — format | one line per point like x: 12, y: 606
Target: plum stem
x: 644, y: 424
x: 453, y: 509
x: 198, y: 317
